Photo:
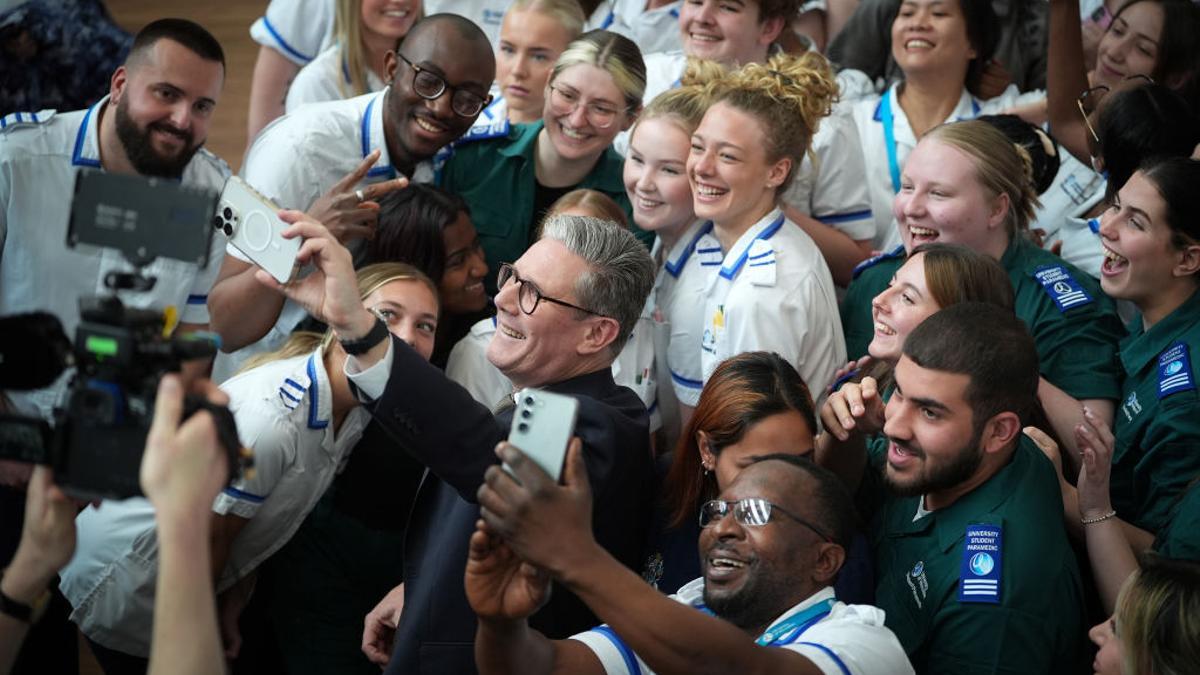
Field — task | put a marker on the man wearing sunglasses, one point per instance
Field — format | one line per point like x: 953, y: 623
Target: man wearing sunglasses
x: 770, y: 548
x: 972, y: 566
x: 336, y: 159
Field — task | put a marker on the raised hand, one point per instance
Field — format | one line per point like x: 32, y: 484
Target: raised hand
x: 349, y: 212
x: 1095, y: 441
x: 330, y: 292
x: 855, y: 408
x: 546, y: 524
x: 500, y: 585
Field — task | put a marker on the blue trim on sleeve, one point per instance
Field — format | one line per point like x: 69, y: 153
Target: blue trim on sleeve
x: 845, y: 217
x: 77, y: 159
x: 829, y: 653
x: 631, y: 662
x: 314, y: 422
x: 283, y: 43
x: 690, y: 384
x: 244, y: 496
x: 197, y: 299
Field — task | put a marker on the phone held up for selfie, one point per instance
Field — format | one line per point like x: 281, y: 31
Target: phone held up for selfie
x: 251, y: 223
x: 542, y: 425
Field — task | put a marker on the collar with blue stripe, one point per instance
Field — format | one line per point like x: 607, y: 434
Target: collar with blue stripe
x: 314, y: 392
x: 765, y: 233
x: 788, y: 630
x: 87, y: 139
x: 885, y: 114
x: 675, y: 267
x: 371, y: 131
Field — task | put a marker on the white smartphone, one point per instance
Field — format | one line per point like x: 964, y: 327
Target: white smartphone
x: 250, y: 222
x: 542, y: 425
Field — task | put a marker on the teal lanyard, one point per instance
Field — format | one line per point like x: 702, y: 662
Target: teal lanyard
x: 889, y: 138
x: 793, y: 626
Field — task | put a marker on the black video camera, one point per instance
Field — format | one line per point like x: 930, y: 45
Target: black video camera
x: 119, y: 353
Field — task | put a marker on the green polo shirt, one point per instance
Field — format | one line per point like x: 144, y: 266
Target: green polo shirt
x: 1180, y: 537
x: 1157, y: 426
x: 1076, y: 344
x: 496, y: 178
x: 1036, y: 624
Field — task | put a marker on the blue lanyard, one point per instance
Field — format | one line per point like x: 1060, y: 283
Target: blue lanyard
x: 889, y: 138
x: 795, y: 625
x: 889, y: 134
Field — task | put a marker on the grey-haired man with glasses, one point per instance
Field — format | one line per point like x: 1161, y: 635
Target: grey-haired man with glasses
x: 770, y: 548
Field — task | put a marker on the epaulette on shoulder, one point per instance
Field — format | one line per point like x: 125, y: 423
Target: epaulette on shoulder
x: 24, y: 119
x: 867, y: 264
x: 483, y: 132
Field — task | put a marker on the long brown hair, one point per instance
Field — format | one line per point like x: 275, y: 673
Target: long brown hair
x: 742, y: 391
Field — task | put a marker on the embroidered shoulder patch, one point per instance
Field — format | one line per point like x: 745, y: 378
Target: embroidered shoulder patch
x: 1175, y: 371
x: 875, y: 260
x: 760, y: 263
x: 1061, y: 287
x: 979, y: 579
x: 482, y: 132
x: 25, y: 119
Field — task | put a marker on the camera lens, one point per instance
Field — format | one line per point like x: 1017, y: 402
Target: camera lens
x: 522, y: 427
x: 526, y: 414
x: 228, y: 230
x: 218, y: 222
x: 228, y: 213
x: 528, y: 400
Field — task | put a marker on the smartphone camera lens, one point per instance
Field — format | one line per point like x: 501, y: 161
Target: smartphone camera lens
x: 522, y: 427
x: 526, y: 413
x: 228, y: 229
x: 528, y: 400
x: 228, y: 212
x: 218, y: 222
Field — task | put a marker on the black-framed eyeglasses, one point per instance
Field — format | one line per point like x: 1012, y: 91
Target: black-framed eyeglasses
x: 528, y: 294
x: 752, y: 512
x: 1089, y: 100
x: 430, y: 86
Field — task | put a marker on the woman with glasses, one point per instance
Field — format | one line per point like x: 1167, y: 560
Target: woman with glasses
x: 295, y: 411
x: 768, y: 287
x: 364, y: 31
x: 594, y: 92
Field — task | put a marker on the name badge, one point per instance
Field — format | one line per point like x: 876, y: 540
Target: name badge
x: 979, y: 580
x: 1174, y: 371
x: 1061, y: 287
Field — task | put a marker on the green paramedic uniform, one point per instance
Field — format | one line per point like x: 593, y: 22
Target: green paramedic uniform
x: 988, y: 584
x: 1180, y: 537
x: 1074, y: 324
x: 495, y: 175
x: 1157, y: 426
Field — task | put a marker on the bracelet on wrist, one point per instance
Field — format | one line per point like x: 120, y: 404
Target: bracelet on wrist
x: 1099, y: 519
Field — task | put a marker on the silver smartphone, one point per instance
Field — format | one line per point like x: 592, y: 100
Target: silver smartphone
x: 251, y: 223
x: 542, y: 425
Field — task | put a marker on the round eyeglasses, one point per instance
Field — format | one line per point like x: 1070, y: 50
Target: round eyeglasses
x: 751, y: 512
x: 564, y: 101
x: 430, y: 86
x: 528, y: 294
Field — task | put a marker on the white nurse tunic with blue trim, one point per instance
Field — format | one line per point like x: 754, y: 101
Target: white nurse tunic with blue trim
x: 652, y: 30
x: 326, y: 78
x: 297, y: 29
x: 679, y: 293
x: 283, y: 411
x: 884, y: 159
x: 773, y: 292
x: 40, y: 154
x: 295, y: 160
x: 848, y: 640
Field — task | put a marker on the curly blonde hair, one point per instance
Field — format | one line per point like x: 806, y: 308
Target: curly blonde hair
x: 789, y: 95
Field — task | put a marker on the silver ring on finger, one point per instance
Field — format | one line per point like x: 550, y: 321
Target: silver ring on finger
x: 361, y: 197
